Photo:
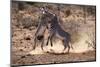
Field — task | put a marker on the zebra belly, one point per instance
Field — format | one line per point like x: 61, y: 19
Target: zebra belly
x: 59, y: 36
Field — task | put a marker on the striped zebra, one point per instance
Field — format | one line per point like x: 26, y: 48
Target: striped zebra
x: 56, y: 30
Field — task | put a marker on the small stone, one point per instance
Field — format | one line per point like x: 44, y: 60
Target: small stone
x: 28, y: 38
x: 22, y: 56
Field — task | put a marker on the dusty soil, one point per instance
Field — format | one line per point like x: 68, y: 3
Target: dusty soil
x: 21, y: 58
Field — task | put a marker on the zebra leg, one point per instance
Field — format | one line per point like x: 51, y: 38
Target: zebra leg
x: 42, y: 44
x: 65, y: 43
x: 39, y: 26
x: 71, y: 46
x: 34, y: 46
x: 68, y: 48
x: 47, y: 41
x: 38, y: 29
x: 51, y: 40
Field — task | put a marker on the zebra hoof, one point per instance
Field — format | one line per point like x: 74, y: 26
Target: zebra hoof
x: 51, y: 45
x: 42, y: 49
x: 64, y: 49
x: 33, y: 48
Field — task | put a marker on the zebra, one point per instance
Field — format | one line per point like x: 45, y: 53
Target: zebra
x: 42, y: 26
x: 39, y: 34
x: 56, y: 30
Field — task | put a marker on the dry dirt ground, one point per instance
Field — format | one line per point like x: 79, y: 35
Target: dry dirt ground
x: 21, y: 58
x: 24, y: 24
x: 22, y: 48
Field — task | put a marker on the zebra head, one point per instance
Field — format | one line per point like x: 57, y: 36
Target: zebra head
x: 47, y: 14
x: 43, y: 10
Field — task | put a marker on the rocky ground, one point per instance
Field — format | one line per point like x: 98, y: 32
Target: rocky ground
x: 79, y: 21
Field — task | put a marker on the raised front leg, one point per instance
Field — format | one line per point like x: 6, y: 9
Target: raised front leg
x: 35, y: 36
x: 38, y: 28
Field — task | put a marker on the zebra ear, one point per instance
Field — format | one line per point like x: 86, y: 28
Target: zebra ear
x: 54, y: 14
x: 42, y: 10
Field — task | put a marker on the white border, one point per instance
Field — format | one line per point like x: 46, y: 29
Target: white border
x: 5, y: 33
x: 89, y: 2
